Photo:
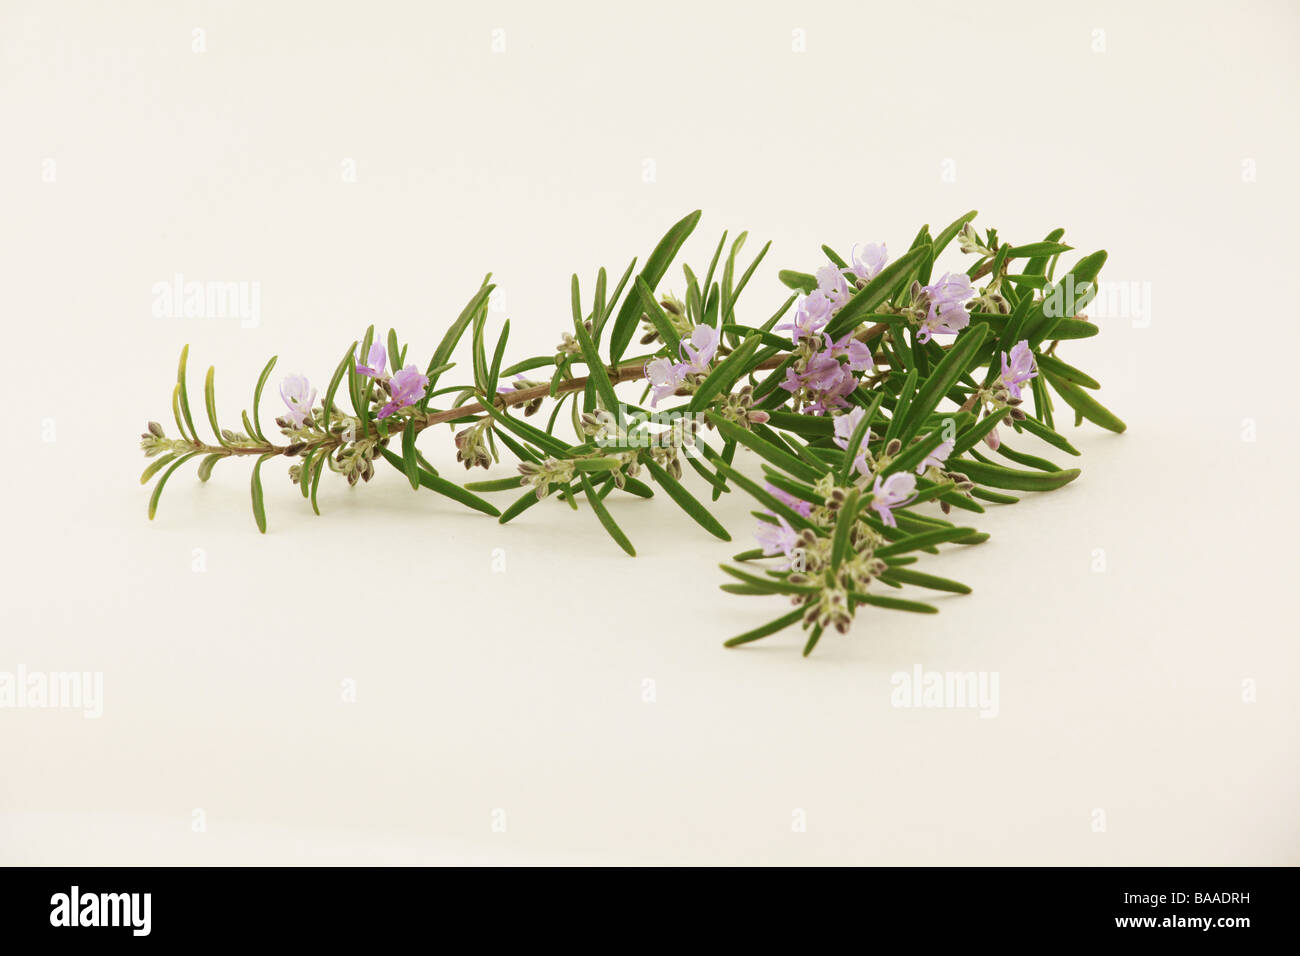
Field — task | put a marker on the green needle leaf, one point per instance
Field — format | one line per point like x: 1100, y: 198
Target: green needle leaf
x: 894, y: 604
x: 495, y: 484
x: 315, y: 483
x: 339, y: 372
x: 158, y: 488
x: 605, y: 517
x: 259, y: 509
x: 205, y: 466
x: 1039, y: 430
x: 442, y: 354
x: 1037, y: 249
x: 495, y: 372
x: 658, y: 317
x: 844, y: 523
x: 185, y: 394
x: 613, y: 299
x: 257, y: 399
x: 915, y: 453
x: 760, y: 494
x: 686, y: 501
x: 1050, y: 363
x: 409, y: 461
x: 655, y: 267
x: 771, y: 584
x: 766, y: 630
x: 926, y: 539
x: 444, y: 487
x: 955, y: 362
x: 1013, y: 478
x: 596, y: 372
x: 920, y: 579
x: 782, y: 459
x: 800, y: 281
x: 156, y: 466
x: 969, y: 437
x: 1085, y: 404
x: 210, y: 403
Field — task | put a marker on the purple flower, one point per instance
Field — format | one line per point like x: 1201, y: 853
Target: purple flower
x: 665, y: 377
x: 858, y: 353
x: 831, y: 283
x: 789, y: 500
x: 699, y: 352
x: 828, y: 380
x: 1019, y: 368
x: 947, y: 298
x: 408, y: 387
x: 936, y: 458
x: 811, y: 312
x: 889, y: 493
x: 778, y: 538
x: 299, y: 396
x: 869, y: 259
x: 375, y: 362
x: 793, y: 382
x: 823, y: 373
x: 845, y: 426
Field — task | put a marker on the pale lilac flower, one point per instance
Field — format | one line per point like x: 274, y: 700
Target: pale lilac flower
x: 832, y: 284
x: 845, y: 426
x: 789, y: 500
x: 857, y: 352
x: 408, y: 387
x: 699, y: 352
x: 889, y: 493
x: 376, y: 362
x: 868, y: 259
x: 665, y: 377
x: 947, y: 314
x: 828, y: 379
x: 823, y: 373
x: 992, y: 439
x: 950, y: 287
x: 811, y: 312
x: 299, y: 396
x: 936, y: 458
x: 777, y: 538
x: 1019, y: 368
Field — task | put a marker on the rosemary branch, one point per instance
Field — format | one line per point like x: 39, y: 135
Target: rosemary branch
x: 855, y: 440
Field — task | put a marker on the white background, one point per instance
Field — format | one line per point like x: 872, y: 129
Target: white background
x: 1121, y: 691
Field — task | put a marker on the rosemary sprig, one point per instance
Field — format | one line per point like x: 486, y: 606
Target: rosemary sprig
x: 874, y: 409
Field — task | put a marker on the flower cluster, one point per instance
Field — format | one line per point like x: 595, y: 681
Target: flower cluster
x: 667, y: 377
x: 404, y: 387
x: 822, y: 374
x: 940, y: 307
x: 1017, y: 369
